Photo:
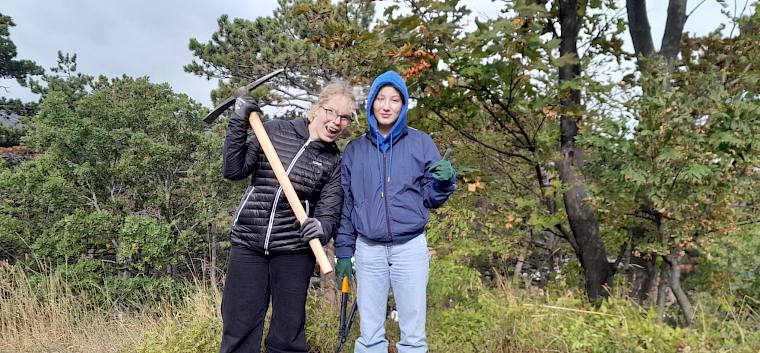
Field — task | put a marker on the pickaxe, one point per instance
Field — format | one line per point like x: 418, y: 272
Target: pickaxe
x: 274, y: 161
x: 239, y: 92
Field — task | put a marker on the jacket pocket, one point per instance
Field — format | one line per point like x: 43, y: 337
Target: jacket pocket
x: 357, y: 216
x: 408, y: 210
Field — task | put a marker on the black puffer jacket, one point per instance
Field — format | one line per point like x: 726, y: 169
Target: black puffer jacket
x: 264, y: 220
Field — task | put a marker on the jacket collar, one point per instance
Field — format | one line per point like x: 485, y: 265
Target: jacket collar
x: 370, y: 135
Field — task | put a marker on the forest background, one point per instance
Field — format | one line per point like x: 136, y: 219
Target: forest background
x: 607, y: 199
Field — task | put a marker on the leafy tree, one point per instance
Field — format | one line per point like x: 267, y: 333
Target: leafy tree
x: 644, y: 48
x: 678, y: 180
x: 16, y: 106
x: 316, y: 41
x: 122, y: 158
x: 35, y: 194
x: 512, y: 86
x: 212, y: 200
x: 10, y: 67
x: 63, y: 78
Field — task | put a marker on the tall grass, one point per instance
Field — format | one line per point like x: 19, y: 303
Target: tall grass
x: 42, y: 313
x: 194, y: 326
x: 563, y: 321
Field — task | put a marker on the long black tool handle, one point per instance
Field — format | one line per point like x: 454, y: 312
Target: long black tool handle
x: 351, y: 318
x: 347, y: 329
x: 343, y: 305
x: 342, y: 332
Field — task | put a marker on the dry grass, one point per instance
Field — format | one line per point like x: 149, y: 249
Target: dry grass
x: 44, y: 315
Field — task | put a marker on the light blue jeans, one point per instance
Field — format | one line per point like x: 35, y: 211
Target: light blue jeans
x: 403, y: 267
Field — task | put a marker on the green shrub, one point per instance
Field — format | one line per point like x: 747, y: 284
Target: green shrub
x: 12, y: 243
x: 89, y: 278
x: 451, y: 283
x: 322, y: 322
x: 464, y: 327
x: 10, y: 136
x: 77, y: 235
x: 729, y: 269
x: 147, y: 243
x: 197, y: 336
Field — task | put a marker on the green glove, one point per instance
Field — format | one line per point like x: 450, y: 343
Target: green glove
x: 443, y: 170
x: 343, y: 269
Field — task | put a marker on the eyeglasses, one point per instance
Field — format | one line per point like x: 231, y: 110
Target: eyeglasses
x: 345, y: 119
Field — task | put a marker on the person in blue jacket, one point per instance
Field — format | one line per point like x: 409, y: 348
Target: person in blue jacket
x: 390, y: 177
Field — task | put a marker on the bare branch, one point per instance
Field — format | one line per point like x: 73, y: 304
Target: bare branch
x: 491, y: 112
x: 733, y: 27
x: 567, y: 234
x: 738, y: 224
x: 695, y: 9
x: 475, y: 139
x: 601, y: 32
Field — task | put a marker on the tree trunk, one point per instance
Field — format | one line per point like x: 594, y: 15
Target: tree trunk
x: 648, y: 284
x: 671, y: 38
x: 517, y: 275
x: 661, y: 287
x: 638, y: 27
x: 585, y: 227
x: 213, y: 256
x: 643, y: 274
x: 641, y: 33
x: 674, y: 262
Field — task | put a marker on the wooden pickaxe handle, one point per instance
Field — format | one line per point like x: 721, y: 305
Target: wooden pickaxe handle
x: 287, y: 187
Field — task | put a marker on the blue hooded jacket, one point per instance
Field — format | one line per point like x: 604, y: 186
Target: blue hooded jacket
x: 387, y: 188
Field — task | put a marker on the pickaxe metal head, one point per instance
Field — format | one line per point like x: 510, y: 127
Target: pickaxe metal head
x: 241, y: 91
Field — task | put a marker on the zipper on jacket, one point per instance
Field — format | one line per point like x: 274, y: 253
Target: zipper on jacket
x: 242, y: 206
x: 277, y: 197
x: 384, y: 196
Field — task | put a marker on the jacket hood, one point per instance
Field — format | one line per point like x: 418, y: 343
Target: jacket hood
x: 394, y: 79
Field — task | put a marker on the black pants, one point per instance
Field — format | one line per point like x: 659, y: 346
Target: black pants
x: 252, y: 279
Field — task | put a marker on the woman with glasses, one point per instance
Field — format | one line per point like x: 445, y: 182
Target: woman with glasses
x: 390, y: 177
x: 270, y: 259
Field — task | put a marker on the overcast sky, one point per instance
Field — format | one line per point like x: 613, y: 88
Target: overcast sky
x: 150, y: 37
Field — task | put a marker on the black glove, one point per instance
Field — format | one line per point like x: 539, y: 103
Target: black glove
x: 311, y: 229
x: 245, y: 105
